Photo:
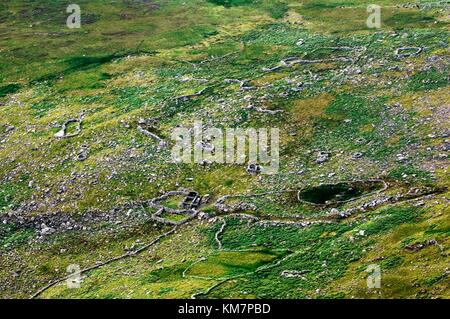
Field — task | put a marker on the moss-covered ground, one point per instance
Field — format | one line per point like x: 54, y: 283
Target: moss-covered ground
x: 131, y: 59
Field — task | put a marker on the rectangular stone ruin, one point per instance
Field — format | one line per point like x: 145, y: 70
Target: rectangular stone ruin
x: 192, y: 201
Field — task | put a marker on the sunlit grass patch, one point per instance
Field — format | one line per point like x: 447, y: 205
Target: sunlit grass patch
x: 428, y: 80
x: 231, y: 263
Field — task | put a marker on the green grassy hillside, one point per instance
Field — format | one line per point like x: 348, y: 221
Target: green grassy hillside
x: 375, y: 101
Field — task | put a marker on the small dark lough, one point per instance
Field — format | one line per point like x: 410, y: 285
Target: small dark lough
x: 331, y: 194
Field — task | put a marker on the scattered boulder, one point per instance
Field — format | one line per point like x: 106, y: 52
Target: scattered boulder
x: 401, y: 157
x: 420, y: 246
x: 322, y: 157
x: 253, y: 169
x: 294, y: 273
x: 45, y: 230
x: 334, y: 211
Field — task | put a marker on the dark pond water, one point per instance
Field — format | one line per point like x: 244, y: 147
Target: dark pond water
x: 335, y: 193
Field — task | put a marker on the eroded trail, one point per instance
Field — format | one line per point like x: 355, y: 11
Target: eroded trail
x: 219, y: 232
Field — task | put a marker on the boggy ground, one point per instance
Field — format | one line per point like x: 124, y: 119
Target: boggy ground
x: 351, y: 104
